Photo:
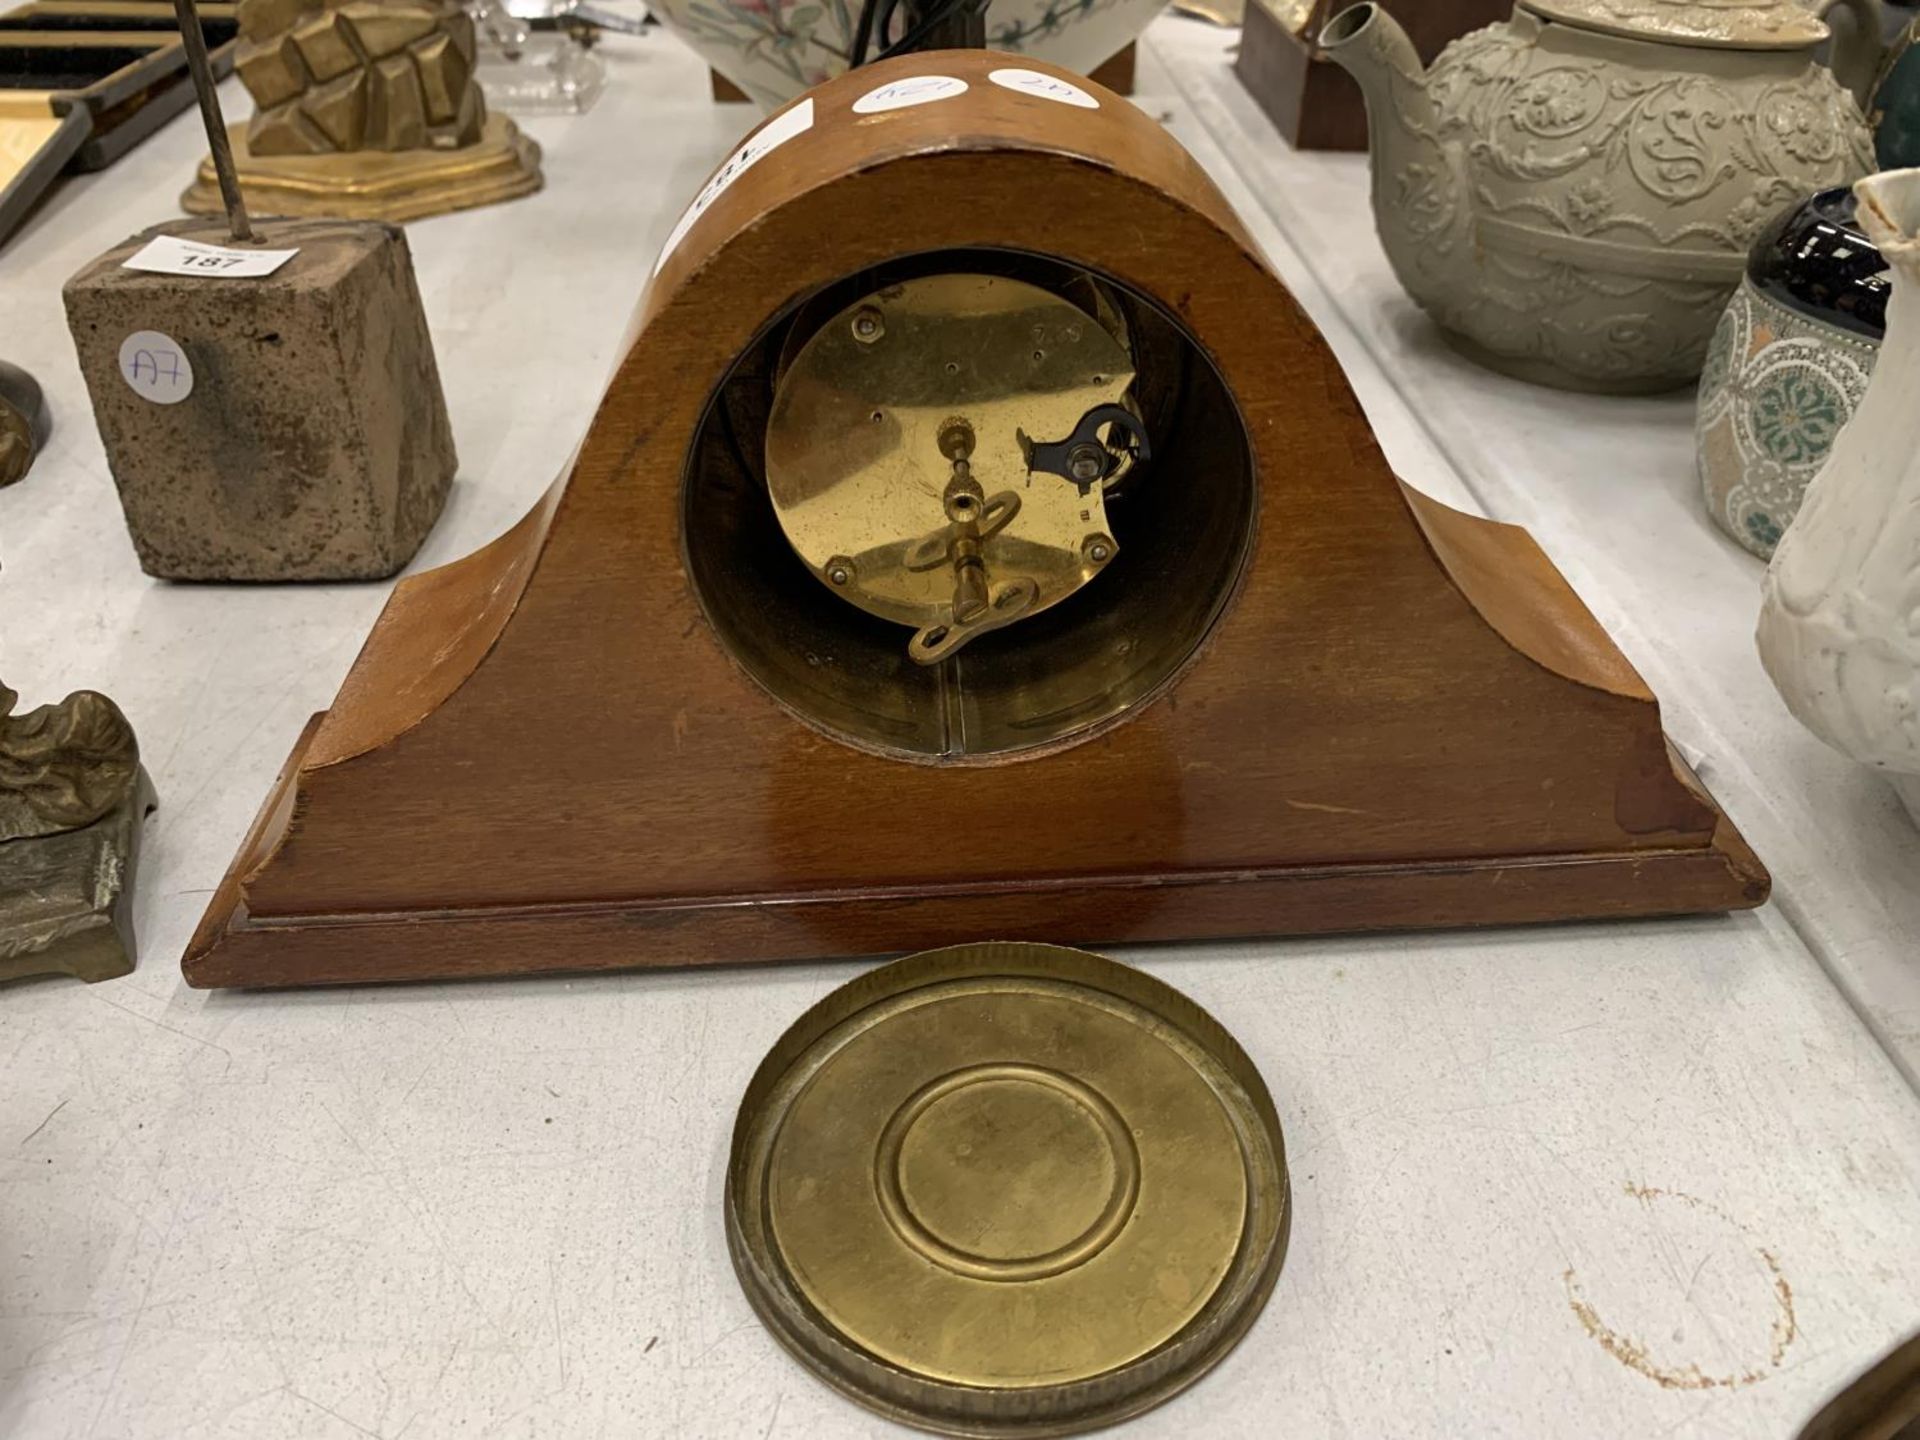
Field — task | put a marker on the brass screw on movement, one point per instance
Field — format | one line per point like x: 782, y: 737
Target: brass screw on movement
x: 1086, y: 462
x: 840, y: 570
x: 964, y: 499
x: 956, y: 439
x: 867, y: 325
x: 1099, y: 549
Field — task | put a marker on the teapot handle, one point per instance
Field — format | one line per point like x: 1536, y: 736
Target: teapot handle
x: 1858, y: 46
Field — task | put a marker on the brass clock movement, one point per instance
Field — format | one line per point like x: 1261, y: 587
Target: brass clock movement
x: 975, y: 539
x: 908, y: 431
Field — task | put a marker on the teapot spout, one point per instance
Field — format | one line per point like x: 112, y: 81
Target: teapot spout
x: 1422, y: 205
x: 1368, y: 43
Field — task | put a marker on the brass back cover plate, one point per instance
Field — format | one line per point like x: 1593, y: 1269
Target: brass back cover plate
x: 1007, y: 1189
x: 858, y: 465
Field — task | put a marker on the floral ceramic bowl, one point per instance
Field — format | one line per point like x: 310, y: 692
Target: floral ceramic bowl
x: 774, y: 49
x: 1787, y: 366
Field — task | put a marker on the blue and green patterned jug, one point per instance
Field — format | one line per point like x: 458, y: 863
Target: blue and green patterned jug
x: 1787, y: 366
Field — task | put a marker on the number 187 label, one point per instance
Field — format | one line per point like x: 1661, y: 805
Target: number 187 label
x: 170, y: 255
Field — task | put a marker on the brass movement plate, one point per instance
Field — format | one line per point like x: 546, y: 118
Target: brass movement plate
x: 859, y: 464
x: 1007, y: 1189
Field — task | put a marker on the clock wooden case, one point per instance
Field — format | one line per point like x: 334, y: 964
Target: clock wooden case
x: 634, y: 730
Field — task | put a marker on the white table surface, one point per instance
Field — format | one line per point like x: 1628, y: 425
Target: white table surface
x: 1657, y: 1178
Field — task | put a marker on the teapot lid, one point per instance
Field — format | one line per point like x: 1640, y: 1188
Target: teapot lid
x: 1720, y: 24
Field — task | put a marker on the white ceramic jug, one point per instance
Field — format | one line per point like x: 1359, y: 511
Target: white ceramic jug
x: 1840, y: 623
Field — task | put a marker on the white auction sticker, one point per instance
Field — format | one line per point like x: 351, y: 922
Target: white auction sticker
x: 1032, y: 82
x: 914, y: 90
x: 768, y: 138
x: 170, y: 255
x: 155, y: 367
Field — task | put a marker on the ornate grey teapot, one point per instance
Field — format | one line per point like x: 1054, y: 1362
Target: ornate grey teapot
x: 1572, y: 194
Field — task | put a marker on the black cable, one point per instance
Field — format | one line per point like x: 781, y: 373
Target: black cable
x: 883, y: 22
x: 929, y: 22
x: 862, y: 34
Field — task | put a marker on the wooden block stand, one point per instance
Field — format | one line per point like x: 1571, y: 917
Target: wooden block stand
x: 308, y: 439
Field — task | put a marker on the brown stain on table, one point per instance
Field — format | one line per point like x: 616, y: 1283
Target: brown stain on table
x: 1634, y: 1354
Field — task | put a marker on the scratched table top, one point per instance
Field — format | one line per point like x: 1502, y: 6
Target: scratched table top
x: 1628, y: 1179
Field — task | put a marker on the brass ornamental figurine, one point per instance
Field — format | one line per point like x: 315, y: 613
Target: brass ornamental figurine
x: 367, y: 110
x: 72, y: 799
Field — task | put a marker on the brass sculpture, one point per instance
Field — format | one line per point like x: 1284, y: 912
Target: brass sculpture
x: 358, y: 75
x: 62, y: 766
x: 72, y: 796
x: 369, y: 110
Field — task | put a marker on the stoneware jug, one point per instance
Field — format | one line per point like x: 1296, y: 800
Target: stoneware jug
x: 1788, y: 366
x: 1840, y: 619
x: 1572, y: 194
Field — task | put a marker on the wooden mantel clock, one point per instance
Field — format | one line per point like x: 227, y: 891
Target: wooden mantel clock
x: 975, y: 540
